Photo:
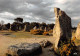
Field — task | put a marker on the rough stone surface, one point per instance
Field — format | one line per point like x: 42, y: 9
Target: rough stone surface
x: 24, y: 49
x: 40, y: 28
x: 24, y: 28
x: 35, y: 28
x: 78, y: 32
x: 45, y: 29
x: 45, y: 43
x: 62, y: 28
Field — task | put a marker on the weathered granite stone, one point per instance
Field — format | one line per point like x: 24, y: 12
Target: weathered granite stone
x: 78, y: 32
x: 62, y: 28
x: 24, y: 28
x: 35, y: 28
x: 24, y: 49
x: 40, y: 28
x: 45, y: 29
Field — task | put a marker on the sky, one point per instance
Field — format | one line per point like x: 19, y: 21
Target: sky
x: 38, y: 10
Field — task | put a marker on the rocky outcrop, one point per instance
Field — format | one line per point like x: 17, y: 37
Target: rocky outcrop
x: 62, y: 28
x: 24, y: 49
x: 78, y: 32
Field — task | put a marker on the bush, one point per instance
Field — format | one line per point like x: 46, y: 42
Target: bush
x: 45, y: 33
x: 74, y: 38
x: 50, y: 31
x: 37, y: 32
x: 67, y: 49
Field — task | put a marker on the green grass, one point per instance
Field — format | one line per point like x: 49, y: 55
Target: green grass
x: 21, y: 34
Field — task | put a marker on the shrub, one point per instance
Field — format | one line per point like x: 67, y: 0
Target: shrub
x: 74, y: 38
x: 45, y: 33
x: 37, y: 32
x: 50, y: 31
x: 67, y: 49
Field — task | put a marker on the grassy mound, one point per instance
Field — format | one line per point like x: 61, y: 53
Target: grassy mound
x: 37, y: 32
x: 45, y: 33
x: 67, y: 49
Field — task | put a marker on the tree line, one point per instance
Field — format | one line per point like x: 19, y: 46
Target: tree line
x: 19, y: 25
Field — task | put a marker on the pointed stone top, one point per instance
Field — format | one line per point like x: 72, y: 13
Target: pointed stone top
x: 55, y: 8
x: 59, y: 12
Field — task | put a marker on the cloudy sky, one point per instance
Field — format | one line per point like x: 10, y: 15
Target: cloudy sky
x: 38, y: 10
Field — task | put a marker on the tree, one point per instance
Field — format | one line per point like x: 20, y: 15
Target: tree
x: 18, y: 24
x: 26, y: 23
x: 51, y: 26
x: 18, y: 20
x: 43, y: 25
x: 33, y: 24
x: 8, y: 25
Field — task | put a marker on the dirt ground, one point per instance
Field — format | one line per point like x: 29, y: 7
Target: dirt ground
x: 7, y: 41
x: 21, y: 37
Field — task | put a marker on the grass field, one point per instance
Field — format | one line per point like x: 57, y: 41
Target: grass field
x: 21, y: 34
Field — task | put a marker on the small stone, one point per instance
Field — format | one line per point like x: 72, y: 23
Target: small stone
x: 45, y: 43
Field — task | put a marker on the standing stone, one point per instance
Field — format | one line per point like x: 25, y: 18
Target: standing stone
x: 45, y: 29
x: 40, y: 28
x: 62, y: 28
x: 26, y: 28
x: 10, y: 27
x: 78, y: 32
x: 35, y: 28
